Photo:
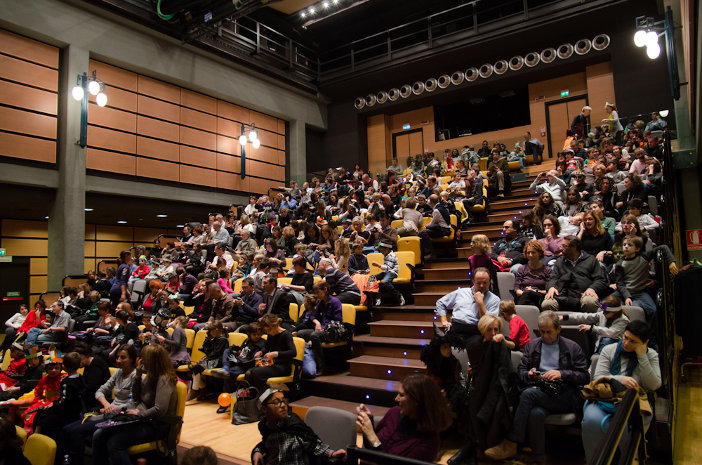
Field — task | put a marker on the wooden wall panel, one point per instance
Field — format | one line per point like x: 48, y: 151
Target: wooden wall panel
x: 114, y: 77
x: 111, y: 249
x: 198, y: 119
x: 265, y: 170
x: 38, y: 266
x: 28, y: 123
x: 267, y: 138
x: 197, y: 138
x: 158, y: 129
x: 26, y: 247
x: 199, y: 176
x: 29, y: 148
x: 146, y: 235
x: 158, y: 149
x: 112, y: 118
x: 111, y: 140
x: 233, y: 112
x: 198, y: 157
x: 266, y: 122
x: 25, y: 228
x: 228, y: 163
x: 158, y: 89
x: 104, y: 160
x: 262, y: 153
x: 232, y: 181
x: 228, y: 128
x: 29, y: 73
x: 158, y: 109
x: 89, y: 264
x: 147, y: 168
x: 281, y: 126
x: 261, y: 186
x: 37, y: 285
x: 198, y: 101
x: 280, y: 142
x: 89, y: 232
x: 122, y: 99
x: 114, y: 233
x: 29, y: 49
x: 27, y: 97
x: 89, y: 248
x: 228, y: 145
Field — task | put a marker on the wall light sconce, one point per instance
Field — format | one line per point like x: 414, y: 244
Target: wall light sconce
x: 647, y: 33
x: 248, y: 135
x: 83, y: 89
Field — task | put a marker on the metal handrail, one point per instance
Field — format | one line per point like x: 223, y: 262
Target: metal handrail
x: 354, y: 454
x: 627, y: 415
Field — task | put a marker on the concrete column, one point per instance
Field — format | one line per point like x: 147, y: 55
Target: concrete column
x: 67, y: 216
x: 298, y: 151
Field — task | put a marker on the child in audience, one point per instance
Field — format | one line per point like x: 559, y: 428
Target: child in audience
x: 358, y: 263
x: 29, y: 380
x: 13, y: 324
x: 390, y: 270
x: 16, y: 369
x: 631, y: 275
x: 223, y: 281
x: 518, y: 330
x: 213, y: 347
x: 68, y: 406
x: 646, y: 220
x: 480, y: 258
x: 237, y: 359
x: 607, y: 325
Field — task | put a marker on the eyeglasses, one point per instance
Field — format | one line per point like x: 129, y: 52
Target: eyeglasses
x: 277, y: 402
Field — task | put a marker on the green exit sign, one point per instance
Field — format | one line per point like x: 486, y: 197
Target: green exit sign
x: 565, y: 93
x: 3, y: 251
x: 13, y: 293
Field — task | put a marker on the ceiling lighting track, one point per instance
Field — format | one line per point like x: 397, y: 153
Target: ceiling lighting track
x: 327, y: 16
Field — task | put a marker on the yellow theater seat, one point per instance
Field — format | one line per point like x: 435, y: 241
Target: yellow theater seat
x: 349, y: 316
x: 196, y: 354
x: 182, y: 391
x: 411, y: 244
x: 40, y: 449
x: 406, y: 261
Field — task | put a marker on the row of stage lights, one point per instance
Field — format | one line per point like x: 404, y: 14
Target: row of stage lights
x: 311, y: 11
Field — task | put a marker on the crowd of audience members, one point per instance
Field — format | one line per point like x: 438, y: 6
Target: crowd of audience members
x: 585, y: 247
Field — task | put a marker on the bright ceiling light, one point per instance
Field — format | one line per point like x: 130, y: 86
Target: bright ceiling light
x: 253, y: 135
x: 88, y: 209
x: 303, y: 14
x: 640, y: 38
x: 311, y: 10
x: 653, y: 51
x: 325, y: 5
x: 162, y: 215
x: 651, y: 38
x: 101, y: 99
x: 77, y: 93
x: 256, y: 143
x: 122, y: 221
x: 94, y: 87
x: 335, y: 2
x: 242, y: 140
x: 663, y: 113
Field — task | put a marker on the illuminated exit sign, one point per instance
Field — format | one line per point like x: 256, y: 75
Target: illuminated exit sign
x: 2, y: 252
x: 565, y: 93
x: 405, y: 126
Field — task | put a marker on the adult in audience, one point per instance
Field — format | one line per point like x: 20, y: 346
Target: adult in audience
x: 534, y: 147
x: 546, y: 360
x: 607, y: 222
x: 312, y: 324
x: 440, y: 226
x: 531, y: 279
x: 285, y: 437
x: 507, y: 252
x: 302, y: 279
x: 278, y: 354
x: 412, y: 428
x: 119, y: 291
x: 119, y: 388
x: 222, y: 309
x: 95, y: 374
x: 549, y: 182
x: 246, y: 306
x: 340, y: 283
x: 156, y: 399
x: 467, y: 306
x: 247, y: 245
x: 411, y: 219
x: 656, y: 123
x: 634, y: 188
x: 595, y: 240
x: 580, y: 124
x: 498, y: 172
x: 12, y: 325
x: 54, y: 332
x: 276, y: 301
x: 633, y: 364
x: 220, y: 234
x: 551, y: 241
x: 222, y: 259
x: 577, y: 280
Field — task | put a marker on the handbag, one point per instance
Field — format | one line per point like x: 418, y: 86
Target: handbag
x: 120, y: 421
x: 335, y: 331
x: 245, y: 408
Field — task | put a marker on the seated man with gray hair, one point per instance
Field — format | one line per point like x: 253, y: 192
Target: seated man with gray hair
x: 340, y: 284
x: 555, y: 367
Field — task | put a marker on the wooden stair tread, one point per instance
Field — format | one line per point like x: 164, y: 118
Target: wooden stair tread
x: 388, y: 361
x: 358, y: 381
x: 402, y: 341
x: 417, y: 324
x: 413, y: 308
x: 316, y: 401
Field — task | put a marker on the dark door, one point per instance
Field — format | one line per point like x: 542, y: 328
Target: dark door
x: 14, y: 286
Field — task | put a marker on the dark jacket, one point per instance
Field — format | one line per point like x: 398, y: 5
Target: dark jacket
x: 571, y: 362
x: 572, y: 281
x: 512, y: 249
x: 248, y: 311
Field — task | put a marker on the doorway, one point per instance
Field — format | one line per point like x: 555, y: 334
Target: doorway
x: 559, y: 115
x: 407, y: 143
x: 14, y: 286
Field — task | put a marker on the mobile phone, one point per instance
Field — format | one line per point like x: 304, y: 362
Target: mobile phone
x: 537, y: 372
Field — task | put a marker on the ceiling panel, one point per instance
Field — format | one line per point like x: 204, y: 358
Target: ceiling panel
x: 291, y: 6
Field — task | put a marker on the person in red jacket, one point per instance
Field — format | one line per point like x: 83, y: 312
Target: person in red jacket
x: 14, y: 372
x: 518, y: 329
x: 33, y: 320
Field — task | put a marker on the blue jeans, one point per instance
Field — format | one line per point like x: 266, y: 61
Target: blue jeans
x: 35, y: 336
x: 595, y: 424
x: 115, y: 444
x: 385, y: 282
x: 534, y: 407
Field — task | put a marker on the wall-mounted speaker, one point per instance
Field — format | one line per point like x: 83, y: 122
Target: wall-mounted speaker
x: 381, y: 97
x: 370, y: 100
x: 405, y: 91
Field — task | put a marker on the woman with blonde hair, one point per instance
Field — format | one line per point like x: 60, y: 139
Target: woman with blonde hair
x: 342, y: 252
x: 480, y: 258
x: 156, y: 398
x: 595, y: 240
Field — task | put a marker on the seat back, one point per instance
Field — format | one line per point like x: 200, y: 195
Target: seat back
x: 410, y: 244
x: 505, y: 281
x: 236, y: 339
x: 397, y: 223
x: 139, y: 290
x: 285, y: 280
x: 288, y: 263
x: 425, y: 221
x: 182, y: 391
x: 21, y: 433
x: 294, y: 312
x: 40, y: 449
x: 196, y: 354
x: 189, y: 338
x: 237, y: 285
x: 6, y: 361
x: 530, y: 315
x: 635, y: 313
x: 333, y: 426
x: 374, y: 257
x: 349, y: 313
x: 404, y: 259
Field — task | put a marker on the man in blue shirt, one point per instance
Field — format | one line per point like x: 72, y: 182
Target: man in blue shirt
x: 467, y: 306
